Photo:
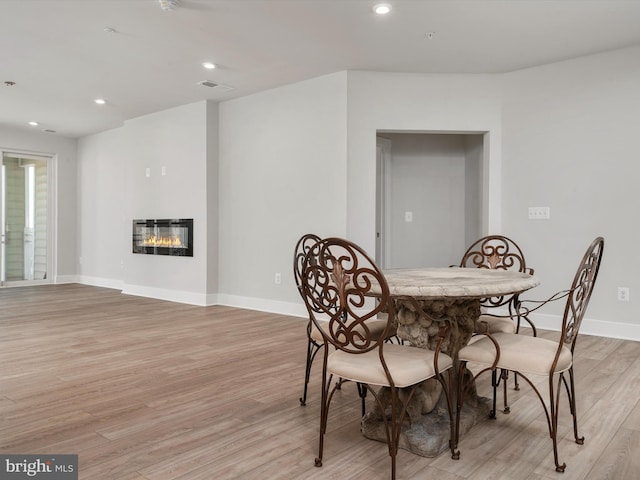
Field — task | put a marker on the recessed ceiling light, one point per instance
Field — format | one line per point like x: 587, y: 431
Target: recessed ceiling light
x: 34, y: 124
x: 100, y: 101
x: 382, y: 8
x: 209, y: 65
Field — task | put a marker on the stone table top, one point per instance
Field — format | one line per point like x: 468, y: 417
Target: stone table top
x: 457, y: 282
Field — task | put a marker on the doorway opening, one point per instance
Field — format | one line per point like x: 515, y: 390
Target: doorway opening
x: 429, y: 197
x: 25, y: 219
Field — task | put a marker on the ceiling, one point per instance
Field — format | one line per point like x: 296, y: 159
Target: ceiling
x: 61, y: 58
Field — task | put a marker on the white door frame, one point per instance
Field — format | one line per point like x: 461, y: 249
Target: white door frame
x: 51, y: 263
x: 383, y: 201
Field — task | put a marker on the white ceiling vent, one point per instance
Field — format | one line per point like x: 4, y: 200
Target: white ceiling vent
x: 217, y: 86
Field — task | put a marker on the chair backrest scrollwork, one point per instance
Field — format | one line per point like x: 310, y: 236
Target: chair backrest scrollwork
x: 301, y: 249
x: 339, y: 283
x: 580, y: 292
x: 495, y: 252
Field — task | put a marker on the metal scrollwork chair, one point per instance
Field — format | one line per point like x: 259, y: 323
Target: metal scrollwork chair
x: 528, y: 355
x: 314, y: 337
x: 339, y: 281
x: 497, y: 252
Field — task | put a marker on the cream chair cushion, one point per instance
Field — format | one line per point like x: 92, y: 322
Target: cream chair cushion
x: 496, y: 324
x: 407, y: 365
x: 520, y: 353
x: 376, y: 326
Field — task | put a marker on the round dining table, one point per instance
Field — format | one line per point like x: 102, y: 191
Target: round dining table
x: 426, y: 300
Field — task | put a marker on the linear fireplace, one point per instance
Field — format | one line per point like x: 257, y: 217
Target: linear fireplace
x: 163, y: 237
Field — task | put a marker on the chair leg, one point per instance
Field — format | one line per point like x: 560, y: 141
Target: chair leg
x: 504, y: 374
x: 459, y: 403
x: 448, y: 393
x: 393, y: 465
x: 362, y: 393
x: 393, y: 431
x: 390, y: 430
x: 553, y: 425
x: 324, y: 414
x: 494, y: 383
x: 571, y: 392
x: 516, y: 385
x: 312, y: 350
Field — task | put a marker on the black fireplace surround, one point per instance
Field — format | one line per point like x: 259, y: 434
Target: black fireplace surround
x: 163, y: 237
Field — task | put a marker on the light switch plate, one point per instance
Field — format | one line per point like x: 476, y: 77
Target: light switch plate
x: 539, y: 213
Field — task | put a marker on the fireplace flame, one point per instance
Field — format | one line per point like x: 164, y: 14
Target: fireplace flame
x: 160, y: 241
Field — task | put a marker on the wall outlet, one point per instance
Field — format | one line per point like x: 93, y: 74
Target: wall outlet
x: 623, y: 294
x: 539, y: 213
x: 278, y: 279
x: 408, y: 216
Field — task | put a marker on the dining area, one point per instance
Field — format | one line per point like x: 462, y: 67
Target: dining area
x: 421, y: 343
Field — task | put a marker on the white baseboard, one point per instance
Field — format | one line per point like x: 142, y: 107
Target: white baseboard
x: 66, y: 279
x: 590, y: 326
x: 263, y: 305
x: 99, y: 282
x: 212, y: 299
x: 177, y: 296
x: 144, y: 291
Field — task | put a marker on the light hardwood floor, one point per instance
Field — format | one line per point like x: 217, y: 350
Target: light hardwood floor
x: 147, y: 389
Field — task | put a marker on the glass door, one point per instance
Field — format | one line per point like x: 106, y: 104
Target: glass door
x: 24, y: 225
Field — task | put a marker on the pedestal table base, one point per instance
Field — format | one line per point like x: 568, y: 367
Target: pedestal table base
x: 426, y: 430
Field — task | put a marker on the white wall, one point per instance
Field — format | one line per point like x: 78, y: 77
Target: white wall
x: 570, y: 142
x: 282, y: 174
x: 102, y: 198
x: 474, y: 154
x: 64, y: 149
x: 114, y: 190
x: 213, y: 202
